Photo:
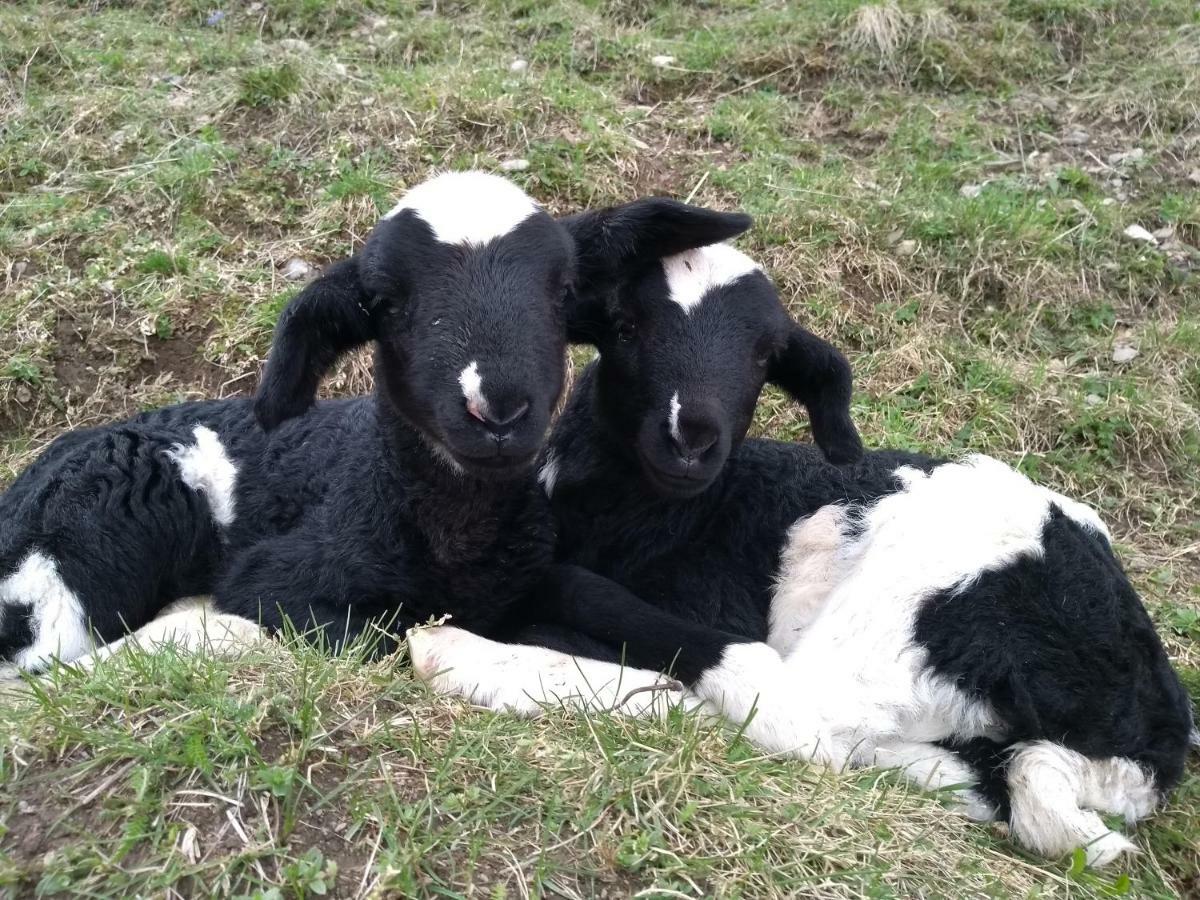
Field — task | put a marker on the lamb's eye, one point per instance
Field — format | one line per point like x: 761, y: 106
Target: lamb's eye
x: 626, y: 332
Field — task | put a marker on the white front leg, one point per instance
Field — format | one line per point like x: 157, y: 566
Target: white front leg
x: 525, y: 680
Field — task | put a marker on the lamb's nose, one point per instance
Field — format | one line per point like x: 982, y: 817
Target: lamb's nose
x: 695, y: 437
x: 496, y: 416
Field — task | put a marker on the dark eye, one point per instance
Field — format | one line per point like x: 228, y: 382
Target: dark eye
x: 626, y: 332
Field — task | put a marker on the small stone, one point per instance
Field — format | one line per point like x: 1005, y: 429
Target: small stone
x: 23, y: 394
x: 1107, y: 201
x: 1093, y: 400
x: 661, y: 62
x: 1116, y: 159
x: 297, y: 269
x: 906, y: 248
x: 1123, y: 353
x: 340, y: 70
x: 295, y: 45
x: 215, y: 18
x: 518, y: 65
x: 1194, y: 176
x: 1140, y: 235
x: 18, y: 270
x: 107, y: 287
x: 971, y: 191
x: 1077, y: 138
x: 515, y: 165
x: 25, y: 808
x: 1165, y: 233
x: 639, y: 143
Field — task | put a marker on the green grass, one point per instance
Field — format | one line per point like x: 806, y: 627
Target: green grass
x: 939, y: 188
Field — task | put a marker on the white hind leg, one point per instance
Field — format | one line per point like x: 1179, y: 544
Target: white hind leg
x: 53, y: 615
x: 934, y: 768
x: 1054, y: 792
x: 190, y: 625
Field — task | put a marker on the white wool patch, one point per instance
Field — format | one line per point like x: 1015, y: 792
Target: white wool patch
x: 206, y: 468
x: 673, y: 417
x: 548, y: 474
x: 525, y: 680
x: 1055, y: 793
x: 60, y: 629
x: 810, y: 566
x: 471, y: 383
x: 468, y: 207
x: 693, y: 273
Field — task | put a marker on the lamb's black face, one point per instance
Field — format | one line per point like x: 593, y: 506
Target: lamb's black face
x: 473, y: 343
x: 684, y: 357
x: 461, y: 288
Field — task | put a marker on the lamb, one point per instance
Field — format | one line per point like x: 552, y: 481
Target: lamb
x: 349, y: 518
x: 950, y: 619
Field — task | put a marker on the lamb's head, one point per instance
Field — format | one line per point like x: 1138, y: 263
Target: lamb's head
x: 686, y: 345
x: 461, y: 287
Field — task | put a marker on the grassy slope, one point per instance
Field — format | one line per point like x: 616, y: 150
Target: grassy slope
x: 156, y: 173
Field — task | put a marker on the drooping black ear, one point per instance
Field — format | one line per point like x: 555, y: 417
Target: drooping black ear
x: 818, y: 375
x: 611, y: 244
x: 330, y: 316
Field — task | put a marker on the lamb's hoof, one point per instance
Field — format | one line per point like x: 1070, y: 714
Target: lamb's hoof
x: 430, y: 648
x: 1108, y: 849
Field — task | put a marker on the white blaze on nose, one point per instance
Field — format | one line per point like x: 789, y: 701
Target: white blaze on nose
x: 472, y: 387
x: 693, y: 273
x: 673, y: 417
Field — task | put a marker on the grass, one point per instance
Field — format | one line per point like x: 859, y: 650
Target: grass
x: 940, y: 188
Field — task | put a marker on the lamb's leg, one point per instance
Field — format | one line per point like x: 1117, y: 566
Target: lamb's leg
x: 190, y: 625
x: 934, y: 768
x: 526, y: 680
x: 747, y: 681
x: 1054, y: 792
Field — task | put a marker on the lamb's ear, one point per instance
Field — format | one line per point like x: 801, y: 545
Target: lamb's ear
x: 329, y: 317
x: 818, y: 375
x: 611, y: 242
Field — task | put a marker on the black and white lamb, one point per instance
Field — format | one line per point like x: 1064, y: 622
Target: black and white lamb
x: 947, y: 618
x: 354, y: 516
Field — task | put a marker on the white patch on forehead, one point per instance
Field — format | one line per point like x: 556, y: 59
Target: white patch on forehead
x: 673, y: 416
x: 693, y: 273
x: 468, y: 207
x: 472, y: 387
